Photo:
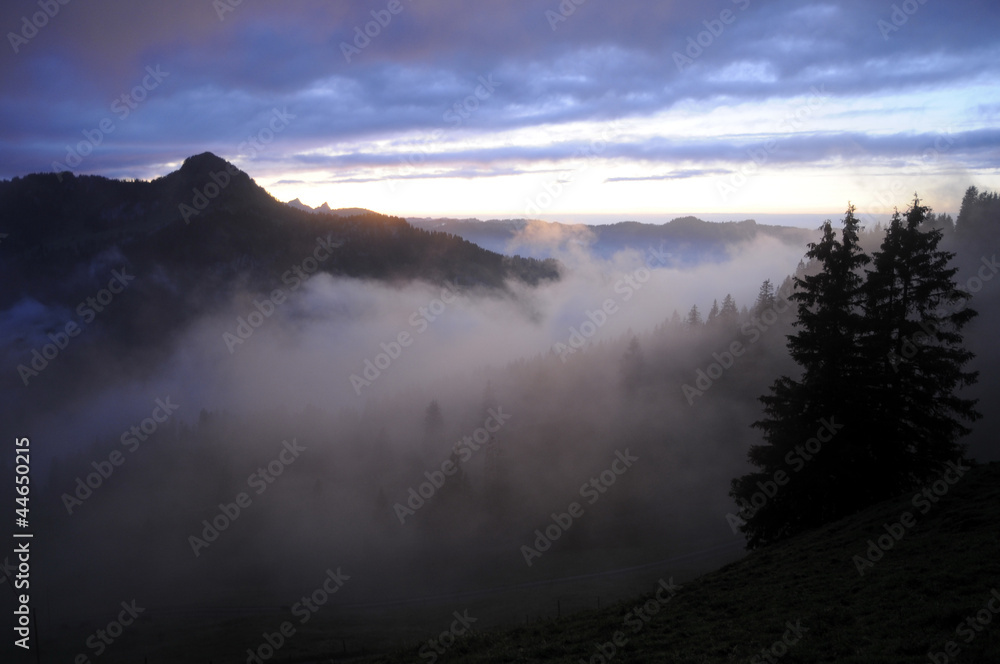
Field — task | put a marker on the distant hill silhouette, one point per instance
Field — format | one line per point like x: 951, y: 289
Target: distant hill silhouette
x: 326, y: 209
x: 685, y: 240
x: 186, y: 223
x: 194, y: 237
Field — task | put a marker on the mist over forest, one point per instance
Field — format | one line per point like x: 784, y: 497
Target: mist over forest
x: 420, y: 434
x: 542, y: 330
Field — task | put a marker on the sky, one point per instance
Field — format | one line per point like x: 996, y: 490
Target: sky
x: 584, y: 110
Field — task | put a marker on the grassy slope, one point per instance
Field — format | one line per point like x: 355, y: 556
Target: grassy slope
x: 940, y: 573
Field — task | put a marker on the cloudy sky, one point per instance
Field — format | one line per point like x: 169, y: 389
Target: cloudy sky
x: 518, y: 107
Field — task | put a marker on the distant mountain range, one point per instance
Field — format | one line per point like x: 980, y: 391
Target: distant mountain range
x: 685, y: 240
x: 326, y: 209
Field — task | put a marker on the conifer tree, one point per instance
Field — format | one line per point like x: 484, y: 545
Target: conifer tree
x: 713, y: 314
x: 979, y: 217
x: 916, y: 314
x: 765, y: 298
x: 876, y: 410
x: 728, y: 315
x: 821, y: 405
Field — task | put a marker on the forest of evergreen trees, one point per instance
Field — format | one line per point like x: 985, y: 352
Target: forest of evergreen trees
x: 877, y: 407
x: 862, y: 350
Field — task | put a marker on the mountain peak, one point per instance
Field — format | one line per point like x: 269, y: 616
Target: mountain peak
x: 299, y: 205
x: 213, y: 177
x: 205, y: 162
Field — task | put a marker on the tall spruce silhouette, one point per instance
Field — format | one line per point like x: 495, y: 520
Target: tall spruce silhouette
x: 875, y: 410
x: 916, y: 314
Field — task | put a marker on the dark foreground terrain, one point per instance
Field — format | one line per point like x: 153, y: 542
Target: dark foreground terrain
x: 936, y: 590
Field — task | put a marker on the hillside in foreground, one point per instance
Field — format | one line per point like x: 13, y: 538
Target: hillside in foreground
x: 934, y: 589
